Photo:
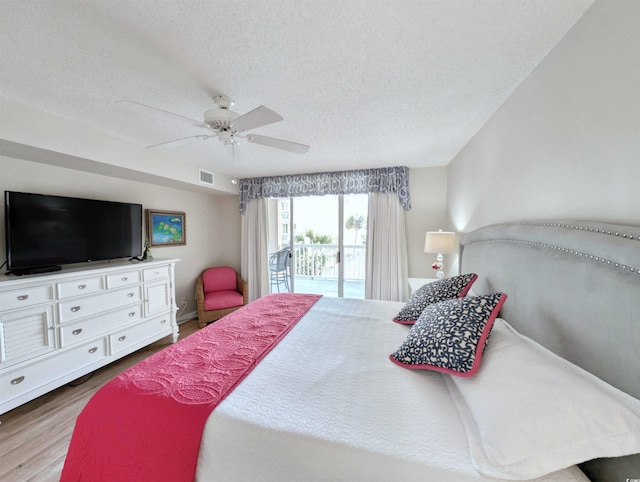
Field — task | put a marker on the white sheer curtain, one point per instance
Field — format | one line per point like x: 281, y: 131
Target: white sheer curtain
x: 387, y: 268
x: 254, y: 255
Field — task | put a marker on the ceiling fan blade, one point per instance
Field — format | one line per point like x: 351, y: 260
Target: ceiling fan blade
x: 183, y: 141
x: 181, y: 117
x: 278, y: 143
x: 258, y: 117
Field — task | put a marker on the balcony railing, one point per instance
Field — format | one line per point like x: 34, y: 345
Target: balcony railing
x: 319, y: 261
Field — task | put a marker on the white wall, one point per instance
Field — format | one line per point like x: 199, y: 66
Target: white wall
x: 428, y: 188
x: 213, y: 222
x: 566, y: 144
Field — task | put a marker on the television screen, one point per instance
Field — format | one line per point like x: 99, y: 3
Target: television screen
x: 47, y: 231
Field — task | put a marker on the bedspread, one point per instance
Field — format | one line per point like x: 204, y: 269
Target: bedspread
x: 327, y: 405
x: 147, y: 423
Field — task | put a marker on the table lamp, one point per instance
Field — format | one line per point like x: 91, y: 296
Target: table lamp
x: 441, y: 242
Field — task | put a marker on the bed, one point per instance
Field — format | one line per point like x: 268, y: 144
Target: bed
x: 324, y: 402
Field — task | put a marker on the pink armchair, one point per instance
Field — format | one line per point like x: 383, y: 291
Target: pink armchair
x: 219, y: 291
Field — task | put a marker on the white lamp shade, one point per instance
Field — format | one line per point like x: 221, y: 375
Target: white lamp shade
x: 440, y: 242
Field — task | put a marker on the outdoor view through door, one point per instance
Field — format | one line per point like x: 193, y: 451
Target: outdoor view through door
x: 317, y: 244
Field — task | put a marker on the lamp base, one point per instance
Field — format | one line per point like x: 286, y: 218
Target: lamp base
x: 438, y: 266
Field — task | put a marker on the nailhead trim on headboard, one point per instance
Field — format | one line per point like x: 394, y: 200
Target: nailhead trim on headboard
x: 576, y: 253
x: 571, y: 226
x: 579, y: 227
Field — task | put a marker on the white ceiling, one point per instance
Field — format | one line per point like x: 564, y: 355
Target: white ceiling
x: 366, y: 83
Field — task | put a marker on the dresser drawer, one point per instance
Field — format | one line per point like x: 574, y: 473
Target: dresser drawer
x: 131, y: 336
x: 123, y: 279
x: 92, y: 305
x: 68, y: 289
x: 23, y: 380
x: 25, y: 297
x: 159, y: 272
x: 72, y: 333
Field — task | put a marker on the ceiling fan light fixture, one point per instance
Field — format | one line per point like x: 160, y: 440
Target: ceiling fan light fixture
x: 226, y: 136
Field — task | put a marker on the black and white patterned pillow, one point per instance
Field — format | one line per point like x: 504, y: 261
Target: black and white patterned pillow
x: 450, y: 336
x: 444, y: 289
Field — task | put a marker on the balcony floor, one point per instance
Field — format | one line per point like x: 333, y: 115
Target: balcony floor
x: 327, y: 287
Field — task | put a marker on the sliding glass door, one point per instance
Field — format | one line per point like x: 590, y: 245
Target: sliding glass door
x: 354, y: 258
x: 279, y: 245
x: 317, y: 245
x: 316, y: 241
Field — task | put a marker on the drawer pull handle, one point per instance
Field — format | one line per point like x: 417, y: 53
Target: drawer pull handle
x: 76, y: 332
x: 122, y: 338
x: 81, y: 287
x: 15, y: 381
x: 23, y: 297
x: 133, y: 313
x: 93, y: 350
x: 75, y: 309
x: 124, y: 279
x: 163, y: 322
x: 130, y: 295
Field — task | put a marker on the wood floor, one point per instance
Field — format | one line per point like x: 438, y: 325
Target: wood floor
x: 34, y: 437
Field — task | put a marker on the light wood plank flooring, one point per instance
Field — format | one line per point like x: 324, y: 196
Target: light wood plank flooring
x: 34, y: 437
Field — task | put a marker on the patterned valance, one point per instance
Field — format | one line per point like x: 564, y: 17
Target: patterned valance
x: 361, y: 181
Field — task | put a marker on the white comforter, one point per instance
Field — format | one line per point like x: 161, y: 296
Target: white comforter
x: 327, y: 404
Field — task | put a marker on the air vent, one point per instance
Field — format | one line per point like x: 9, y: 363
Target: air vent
x: 206, y: 177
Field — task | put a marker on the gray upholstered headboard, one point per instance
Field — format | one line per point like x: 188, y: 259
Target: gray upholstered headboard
x: 574, y: 287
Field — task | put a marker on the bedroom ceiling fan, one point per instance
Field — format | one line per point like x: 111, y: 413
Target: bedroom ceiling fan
x: 229, y: 127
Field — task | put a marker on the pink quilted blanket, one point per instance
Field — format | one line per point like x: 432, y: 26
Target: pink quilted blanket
x: 146, y: 424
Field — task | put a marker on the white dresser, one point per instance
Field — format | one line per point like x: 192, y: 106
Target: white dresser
x: 55, y: 328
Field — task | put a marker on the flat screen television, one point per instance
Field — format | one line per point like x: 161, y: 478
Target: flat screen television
x: 44, y: 232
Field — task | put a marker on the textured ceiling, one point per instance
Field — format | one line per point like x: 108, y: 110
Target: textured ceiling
x: 366, y: 83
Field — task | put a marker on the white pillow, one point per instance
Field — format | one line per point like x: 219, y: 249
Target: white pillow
x: 528, y: 412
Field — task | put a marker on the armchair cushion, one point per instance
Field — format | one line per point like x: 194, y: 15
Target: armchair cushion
x: 220, y: 300
x: 222, y: 278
